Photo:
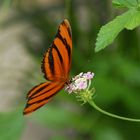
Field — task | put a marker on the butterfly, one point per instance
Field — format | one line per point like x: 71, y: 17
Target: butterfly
x: 56, y: 66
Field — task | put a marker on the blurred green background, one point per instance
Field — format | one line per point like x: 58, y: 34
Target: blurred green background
x: 27, y: 29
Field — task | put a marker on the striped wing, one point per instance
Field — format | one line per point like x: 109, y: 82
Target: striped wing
x: 57, y: 60
x: 56, y: 66
x: 41, y: 94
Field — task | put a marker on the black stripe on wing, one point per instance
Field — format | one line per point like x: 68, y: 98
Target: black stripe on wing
x: 51, y: 61
x: 40, y: 102
x: 63, y: 40
x: 67, y: 41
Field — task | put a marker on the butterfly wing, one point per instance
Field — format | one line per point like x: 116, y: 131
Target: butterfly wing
x: 57, y: 61
x: 41, y: 94
x: 56, y: 66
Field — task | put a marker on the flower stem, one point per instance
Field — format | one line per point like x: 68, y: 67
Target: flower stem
x: 92, y: 103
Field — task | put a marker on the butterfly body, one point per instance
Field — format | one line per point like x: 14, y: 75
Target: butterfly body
x: 56, y: 66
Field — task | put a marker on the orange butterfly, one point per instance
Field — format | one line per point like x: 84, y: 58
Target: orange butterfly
x: 55, y: 66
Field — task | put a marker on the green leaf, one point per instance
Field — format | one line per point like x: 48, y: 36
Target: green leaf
x: 125, y: 3
x: 109, y: 32
x: 134, y: 20
x: 11, y: 125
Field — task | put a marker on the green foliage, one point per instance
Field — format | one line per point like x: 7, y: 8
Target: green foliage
x: 109, y: 31
x: 11, y: 125
x: 125, y: 3
x: 134, y: 20
x: 128, y: 20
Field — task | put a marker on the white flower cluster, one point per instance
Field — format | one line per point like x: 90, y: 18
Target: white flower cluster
x: 79, y: 82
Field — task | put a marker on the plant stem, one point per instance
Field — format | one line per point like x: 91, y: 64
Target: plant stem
x: 92, y: 103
